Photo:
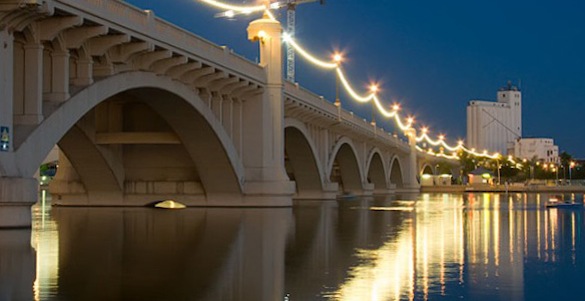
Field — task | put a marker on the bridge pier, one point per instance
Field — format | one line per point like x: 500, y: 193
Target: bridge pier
x: 6, y: 81
x: 266, y: 176
x: 411, y: 183
x: 17, y: 195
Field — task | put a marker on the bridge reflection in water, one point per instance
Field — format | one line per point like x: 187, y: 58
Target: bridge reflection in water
x: 476, y: 246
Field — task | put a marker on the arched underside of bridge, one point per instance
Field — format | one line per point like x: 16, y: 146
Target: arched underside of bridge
x: 302, y: 164
x: 129, y: 140
x: 345, y: 170
x: 377, y: 173
x: 427, y: 170
x: 396, y: 177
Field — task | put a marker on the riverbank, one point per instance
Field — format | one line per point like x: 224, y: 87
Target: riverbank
x: 504, y: 188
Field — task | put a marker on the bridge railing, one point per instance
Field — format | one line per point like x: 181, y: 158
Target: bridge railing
x: 166, y: 35
x: 329, y: 111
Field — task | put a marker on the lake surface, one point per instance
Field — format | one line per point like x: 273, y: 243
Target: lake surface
x: 480, y: 246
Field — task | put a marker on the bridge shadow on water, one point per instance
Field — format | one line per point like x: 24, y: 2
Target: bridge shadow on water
x: 411, y: 247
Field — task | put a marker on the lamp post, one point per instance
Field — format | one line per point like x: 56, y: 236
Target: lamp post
x: 498, y: 166
x: 374, y: 90
x: 571, y: 165
x: 338, y: 58
x: 530, y: 169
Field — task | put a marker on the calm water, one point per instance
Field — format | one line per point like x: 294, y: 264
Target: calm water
x: 418, y: 247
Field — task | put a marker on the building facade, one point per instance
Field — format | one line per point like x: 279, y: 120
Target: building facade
x: 542, y: 148
x: 495, y: 126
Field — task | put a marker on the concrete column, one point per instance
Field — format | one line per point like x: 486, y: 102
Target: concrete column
x: 7, y: 83
x: 60, y: 77
x: 33, y: 85
x: 411, y: 182
x: 216, y: 105
x: 264, y: 116
x: 205, y: 96
x: 84, y: 73
x: 237, y: 125
x: 228, y: 115
x: 264, y: 119
x: 17, y: 195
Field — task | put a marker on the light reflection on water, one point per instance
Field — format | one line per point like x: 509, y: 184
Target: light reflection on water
x: 479, y: 246
x: 45, y: 241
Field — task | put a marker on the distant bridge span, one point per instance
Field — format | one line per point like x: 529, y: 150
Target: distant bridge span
x: 143, y: 111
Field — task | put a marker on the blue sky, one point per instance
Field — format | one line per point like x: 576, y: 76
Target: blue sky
x: 433, y: 56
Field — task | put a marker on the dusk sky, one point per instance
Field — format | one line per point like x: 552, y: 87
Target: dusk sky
x: 432, y: 56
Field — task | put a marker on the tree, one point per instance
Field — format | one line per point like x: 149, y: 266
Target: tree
x: 467, y: 162
x: 508, y: 169
x: 566, y: 160
x: 444, y: 168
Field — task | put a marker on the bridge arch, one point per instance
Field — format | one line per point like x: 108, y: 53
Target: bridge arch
x: 189, y: 117
x: 377, y: 173
x: 427, y: 169
x: 396, y: 172
x: 345, y: 168
x: 302, y: 162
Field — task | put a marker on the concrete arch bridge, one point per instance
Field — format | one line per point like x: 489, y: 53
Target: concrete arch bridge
x: 142, y: 110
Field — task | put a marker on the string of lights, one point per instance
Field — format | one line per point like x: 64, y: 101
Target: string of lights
x: 372, y: 96
x: 348, y: 87
x: 288, y: 39
x: 453, y: 156
x: 244, y: 9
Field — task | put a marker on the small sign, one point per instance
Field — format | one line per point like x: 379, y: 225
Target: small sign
x: 4, y: 138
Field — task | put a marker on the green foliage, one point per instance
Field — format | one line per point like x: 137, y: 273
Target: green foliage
x: 467, y: 162
x: 48, y: 169
x: 508, y: 170
x: 533, y: 168
x: 443, y: 168
x: 565, y: 158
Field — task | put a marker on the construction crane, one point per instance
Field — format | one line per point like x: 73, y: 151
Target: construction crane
x: 291, y: 6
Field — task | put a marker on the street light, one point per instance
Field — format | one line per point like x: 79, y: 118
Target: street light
x: 498, y: 167
x: 571, y: 165
x: 338, y: 58
x: 374, y: 90
x: 555, y: 169
x: 410, y: 121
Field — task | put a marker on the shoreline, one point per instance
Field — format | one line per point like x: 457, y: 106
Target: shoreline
x: 504, y: 189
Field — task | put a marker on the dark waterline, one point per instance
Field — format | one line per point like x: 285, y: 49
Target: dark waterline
x: 417, y: 247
